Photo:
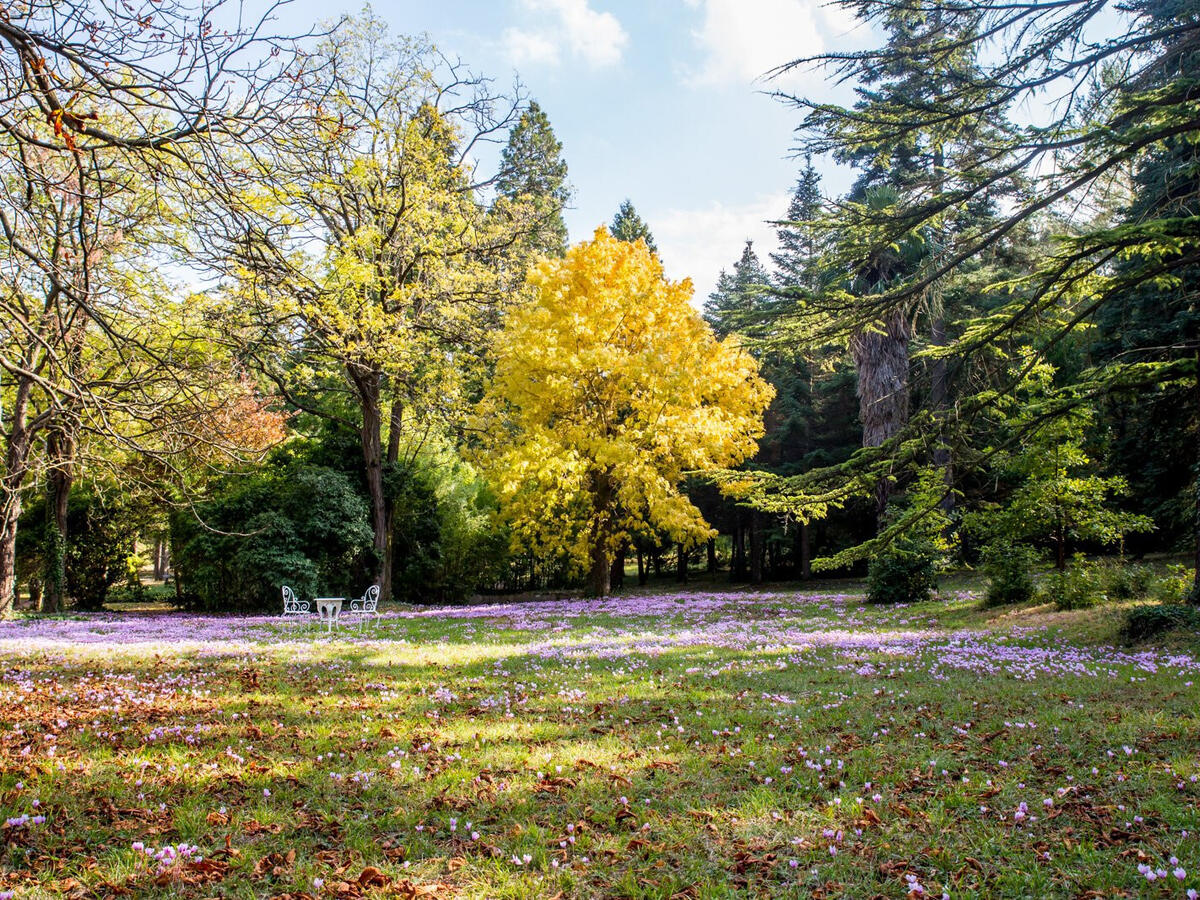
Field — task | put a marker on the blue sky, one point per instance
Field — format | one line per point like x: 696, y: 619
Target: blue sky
x: 655, y: 100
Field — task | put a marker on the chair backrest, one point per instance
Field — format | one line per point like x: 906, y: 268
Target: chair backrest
x: 371, y: 599
x: 292, y: 606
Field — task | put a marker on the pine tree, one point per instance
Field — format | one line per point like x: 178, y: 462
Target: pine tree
x: 799, y: 237
x: 533, y: 172
x: 736, y: 304
x: 627, y: 225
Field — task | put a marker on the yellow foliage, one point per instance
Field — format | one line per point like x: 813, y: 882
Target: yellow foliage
x: 608, y: 388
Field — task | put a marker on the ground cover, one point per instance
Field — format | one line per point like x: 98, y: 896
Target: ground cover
x: 706, y: 743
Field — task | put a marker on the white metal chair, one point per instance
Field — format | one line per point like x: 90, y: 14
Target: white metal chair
x: 292, y: 606
x: 367, y: 605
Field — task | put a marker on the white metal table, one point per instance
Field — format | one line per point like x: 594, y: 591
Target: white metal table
x: 329, y: 609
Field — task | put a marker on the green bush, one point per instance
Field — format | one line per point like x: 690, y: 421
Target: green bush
x: 1174, y: 587
x: 1155, y: 618
x: 1122, y: 581
x: 291, y: 523
x: 904, y: 571
x: 1009, y: 568
x: 445, y: 543
x: 1080, y: 586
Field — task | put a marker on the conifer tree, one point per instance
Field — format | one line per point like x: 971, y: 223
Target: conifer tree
x: 627, y: 225
x: 533, y: 173
x: 799, y: 237
x: 736, y: 304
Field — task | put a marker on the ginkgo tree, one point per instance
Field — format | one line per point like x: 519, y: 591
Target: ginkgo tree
x: 608, y: 387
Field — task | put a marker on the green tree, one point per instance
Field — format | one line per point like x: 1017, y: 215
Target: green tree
x: 1125, y: 96
x: 736, y: 304
x: 364, y: 267
x: 533, y: 173
x: 800, y: 237
x: 627, y: 225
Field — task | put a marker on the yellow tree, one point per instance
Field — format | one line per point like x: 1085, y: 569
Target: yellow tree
x: 608, y: 388
x: 363, y: 267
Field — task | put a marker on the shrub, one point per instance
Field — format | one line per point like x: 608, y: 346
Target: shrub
x: 1126, y: 582
x: 1009, y: 568
x: 293, y: 523
x: 1174, y: 587
x: 904, y: 571
x: 1155, y: 618
x: 446, y: 545
x: 1080, y: 586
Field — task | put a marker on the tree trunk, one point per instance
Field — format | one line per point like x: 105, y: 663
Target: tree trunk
x: 371, y: 436
x: 805, y: 552
x: 16, y: 463
x: 617, y: 577
x: 881, y: 361
x: 656, y: 561
x: 739, y: 550
x: 756, y: 549
x: 60, y: 450
x: 162, y: 560
x: 643, y: 574
x: 598, y: 584
x: 1195, y: 593
x: 712, y: 556
x: 681, y: 571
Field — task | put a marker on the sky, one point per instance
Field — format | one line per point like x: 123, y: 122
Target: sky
x: 659, y: 101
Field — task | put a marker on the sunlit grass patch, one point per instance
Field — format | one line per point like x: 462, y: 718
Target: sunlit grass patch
x: 709, y: 744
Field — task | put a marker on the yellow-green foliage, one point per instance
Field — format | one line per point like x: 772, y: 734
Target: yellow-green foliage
x: 607, y: 376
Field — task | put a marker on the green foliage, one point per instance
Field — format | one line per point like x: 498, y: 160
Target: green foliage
x: 533, y: 174
x: 446, y: 542
x: 1009, y: 568
x: 737, y: 303
x: 291, y: 523
x: 1151, y: 619
x: 627, y: 225
x: 103, y: 524
x: 1124, y: 581
x: 101, y: 535
x: 1078, y: 586
x: 1177, y: 586
x: 904, y: 571
x: 1057, y: 496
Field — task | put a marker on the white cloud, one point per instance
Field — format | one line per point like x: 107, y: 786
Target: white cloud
x: 741, y: 40
x: 699, y: 243
x: 571, y: 26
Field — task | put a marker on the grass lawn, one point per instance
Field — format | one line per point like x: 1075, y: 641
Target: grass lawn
x: 705, y: 743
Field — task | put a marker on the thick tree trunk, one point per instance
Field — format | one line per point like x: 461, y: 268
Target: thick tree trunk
x: 881, y: 361
x: 805, y: 552
x: 1195, y: 594
x: 712, y: 556
x: 16, y: 463
x: 616, y: 578
x: 681, y: 565
x: 598, y: 584
x: 60, y: 450
x: 643, y: 574
x: 371, y: 436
